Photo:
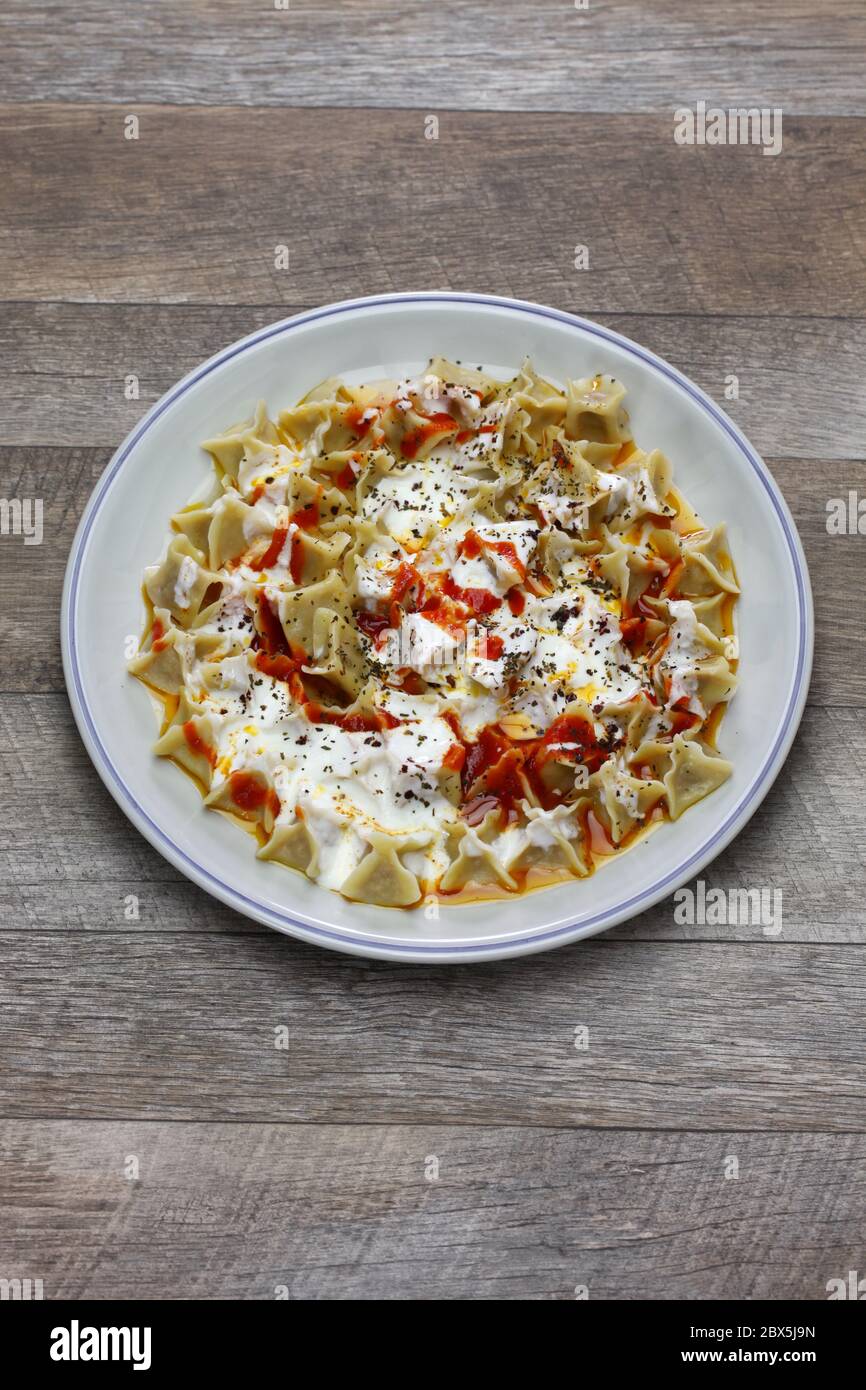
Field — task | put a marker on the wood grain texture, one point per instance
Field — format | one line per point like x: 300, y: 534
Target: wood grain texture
x: 620, y: 55
x: 346, y: 1212
x: 681, y: 1036
x: 63, y: 369
x: 498, y: 203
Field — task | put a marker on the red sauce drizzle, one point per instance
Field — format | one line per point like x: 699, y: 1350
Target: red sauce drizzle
x: 280, y: 666
x: 464, y: 436
x: 305, y: 519
x: 355, y: 421
x: 481, y: 755
x: 662, y: 585
x: 196, y: 743
x: 455, y: 757
x: 406, y: 579
x: 516, y: 600
x: 440, y: 423
x: 282, y: 660
x: 477, y: 600
x: 272, y: 554
x: 248, y: 791
x: 505, y: 768
x: 453, y: 723
x: 574, y: 728
x: 682, y: 718
x: 373, y: 625
x: 472, y: 546
x: 411, y: 683
x: 351, y: 723
x: 271, y: 632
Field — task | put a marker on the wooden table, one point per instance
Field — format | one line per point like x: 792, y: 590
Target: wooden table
x: 155, y: 1141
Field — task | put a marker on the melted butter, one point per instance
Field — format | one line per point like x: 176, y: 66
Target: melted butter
x: 686, y: 521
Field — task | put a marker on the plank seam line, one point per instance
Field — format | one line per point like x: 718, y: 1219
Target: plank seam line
x: 494, y: 1125
x: 659, y: 113
x: 295, y: 305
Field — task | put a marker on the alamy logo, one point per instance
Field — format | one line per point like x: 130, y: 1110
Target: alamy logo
x: 22, y: 516
x: 742, y: 907
x: 77, y: 1343
x: 20, y: 1290
x: 739, y: 126
x: 855, y: 1287
x: 846, y: 516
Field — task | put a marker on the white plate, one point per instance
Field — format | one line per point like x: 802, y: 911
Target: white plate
x: 159, y: 466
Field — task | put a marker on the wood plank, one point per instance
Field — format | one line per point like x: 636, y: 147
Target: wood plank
x: 63, y: 368
x: 64, y: 870
x: 698, y: 1036
x: 346, y: 1212
x: 620, y: 55
x: 196, y: 207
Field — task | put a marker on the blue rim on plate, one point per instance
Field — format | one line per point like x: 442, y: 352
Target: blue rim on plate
x: 383, y: 946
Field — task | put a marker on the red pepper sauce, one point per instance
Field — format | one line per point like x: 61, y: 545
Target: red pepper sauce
x: 272, y: 554
x: 373, y: 625
x: 248, y: 791
x: 516, y: 600
x: 440, y: 423
x: 682, y: 719
x: 305, y: 519
x: 464, y: 436
x: 346, y: 478
x: 453, y: 723
x: 662, y: 585
x: 481, y: 755
x: 270, y: 629
x: 472, y: 545
x: 405, y: 580
x: 354, y: 419
x: 372, y: 723
x: 478, y: 601
x: 280, y: 666
x: 574, y: 729
x: 445, y: 614
x: 197, y: 745
x: 410, y: 682
x: 455, y: 757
